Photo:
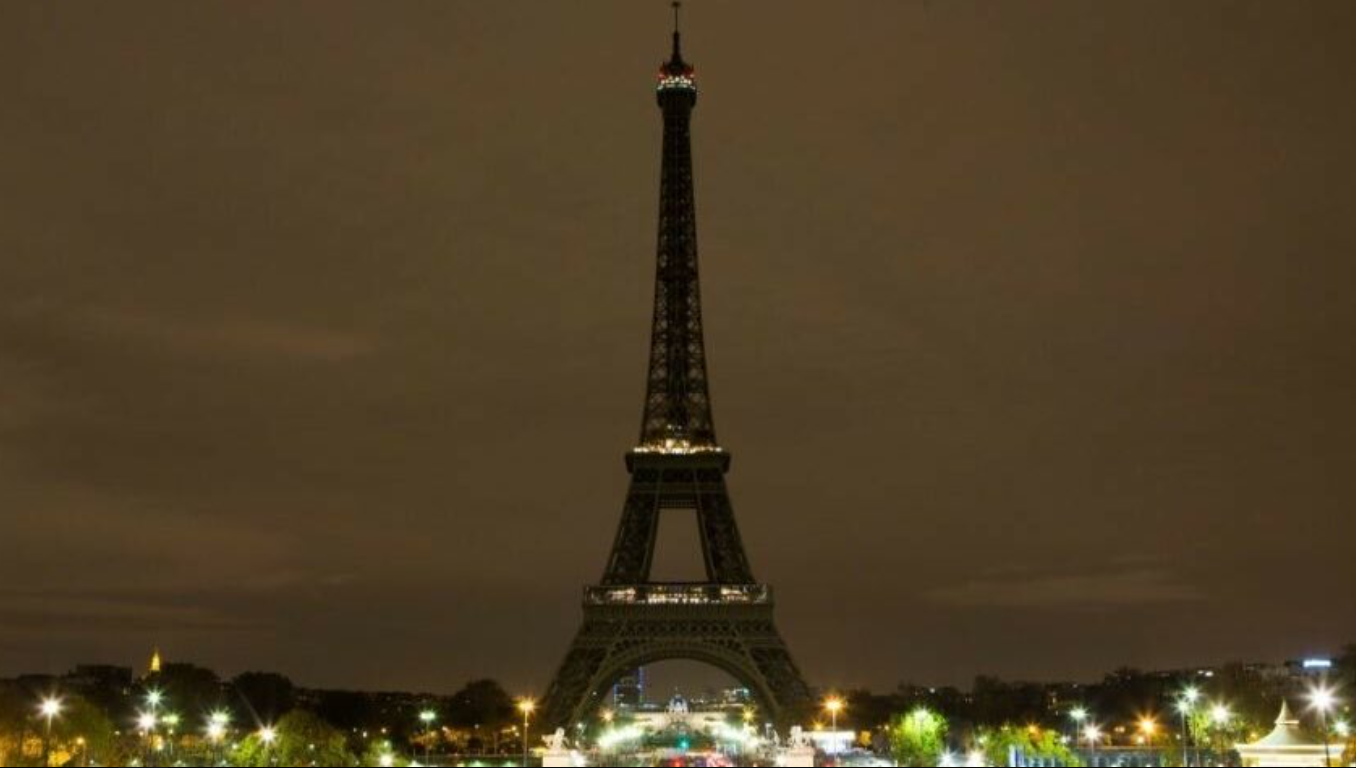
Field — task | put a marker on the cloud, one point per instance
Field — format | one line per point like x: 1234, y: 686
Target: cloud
x: 1105, y: 590
x: 229, y: 336
x: 40, y: 613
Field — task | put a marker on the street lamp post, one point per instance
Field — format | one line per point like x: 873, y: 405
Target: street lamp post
x: 527, y: 706
x: 427, y: 717
x: 1078, y: 715
x: 1148, y: 727
x: 1322, y: 700
x: 1093, y: 735
x: 833, y: 705
x: 146, y: 724
x: 49, y: 708
x: 267, y: 735
x: 1185, y: 706
x: 171, y: 722
x: 154, y: 698
x: 216, y: 732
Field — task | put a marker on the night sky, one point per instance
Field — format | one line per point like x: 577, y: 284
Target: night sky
x: 323, y: 328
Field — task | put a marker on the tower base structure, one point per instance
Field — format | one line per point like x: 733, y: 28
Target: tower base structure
x: 727, y: 626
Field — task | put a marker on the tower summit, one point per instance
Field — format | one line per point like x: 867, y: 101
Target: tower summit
x: 677, y: 415
x: 677, y: 467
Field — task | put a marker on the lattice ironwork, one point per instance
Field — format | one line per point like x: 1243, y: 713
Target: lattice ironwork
x: 677, y: 399
x: 740, y: 640
x: 630, y: 620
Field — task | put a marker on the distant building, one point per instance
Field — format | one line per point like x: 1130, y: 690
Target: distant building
x: 629, y: 692
x: 98, y: 679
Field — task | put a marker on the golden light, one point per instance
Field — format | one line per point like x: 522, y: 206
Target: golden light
x: 1148, y: 726
x: 527, y: 706
x: 608, y: 715
x: 834, y: 705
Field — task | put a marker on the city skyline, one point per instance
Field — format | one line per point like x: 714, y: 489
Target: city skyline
x: 322, y: 327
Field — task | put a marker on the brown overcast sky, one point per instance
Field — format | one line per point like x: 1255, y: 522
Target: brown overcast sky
x: 323, y: 328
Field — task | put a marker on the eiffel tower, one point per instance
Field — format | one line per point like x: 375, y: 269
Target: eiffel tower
x: 677, y: 467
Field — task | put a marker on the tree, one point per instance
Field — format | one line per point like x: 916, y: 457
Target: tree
x: 1039, y: 745
x: 484, y: 708
x: 84, y: 734
x: 15, y: 712
x: 264, y: 696
x: 918, y: 738
x: 1346, y: 667
x: 302, y: 739
x: 1218, y: 735
x: 187, y: 688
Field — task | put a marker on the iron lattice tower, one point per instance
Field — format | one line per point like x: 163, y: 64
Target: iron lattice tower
x: 629, y: 619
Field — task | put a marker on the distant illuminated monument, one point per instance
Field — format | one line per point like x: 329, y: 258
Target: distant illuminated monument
x: 677, y: 467
x: 154, y: 667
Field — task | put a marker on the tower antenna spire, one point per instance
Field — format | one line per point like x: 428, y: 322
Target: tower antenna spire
x: 677, y: 29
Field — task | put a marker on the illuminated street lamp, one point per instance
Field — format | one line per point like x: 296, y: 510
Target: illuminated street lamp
x: 1323, y: 700
x: 146, y: 722
x: 216, y: 728
x: 427, y: 717
x: 216, y: 725
x: 1093, y: 734
x: 833, y: 705
x: 527, y: 706
x: 1078, y: 715
x: 50, y: 708
x: 171, y: 722
x: 1148, y: 727
x: 267, y: 736
x: 1185, y: 706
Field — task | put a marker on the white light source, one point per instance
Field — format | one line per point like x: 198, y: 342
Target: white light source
x: 268, y: 735
x: 1322, y: 699
x: 50, y: 707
